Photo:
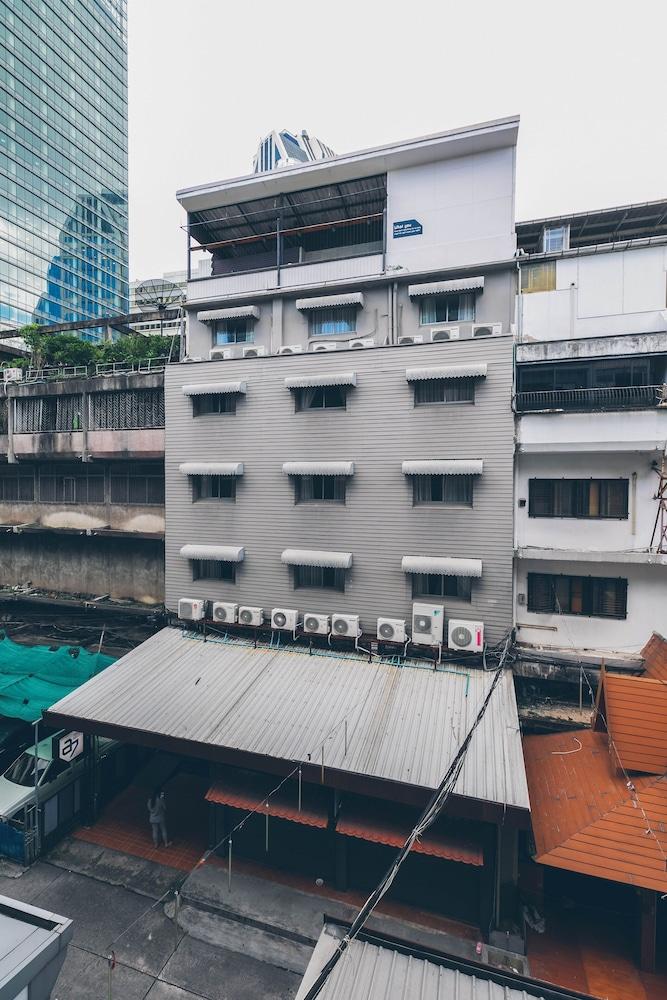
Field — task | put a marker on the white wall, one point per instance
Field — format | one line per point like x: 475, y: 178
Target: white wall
x: 601, y: 295
x: 465, y: 206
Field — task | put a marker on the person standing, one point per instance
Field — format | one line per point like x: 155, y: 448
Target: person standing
x: 157, y: 817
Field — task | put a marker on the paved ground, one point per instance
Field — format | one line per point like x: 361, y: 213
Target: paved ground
x: 154, y: 961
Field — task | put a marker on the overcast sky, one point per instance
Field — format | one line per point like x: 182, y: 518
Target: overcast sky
x: 209, y: 78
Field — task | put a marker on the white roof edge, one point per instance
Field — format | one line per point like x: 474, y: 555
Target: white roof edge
x: 233, y: 312
x: 450, y: 285
x: 211, y: 468
x: 316, y: 557
x: 443, y: 467
x: 446, y: 371
x: 447, y: 566
x: 318, y: 468
x: 325, y: 301
x: 225, y: 553
x: 331, y: 378
x: 214, y: 388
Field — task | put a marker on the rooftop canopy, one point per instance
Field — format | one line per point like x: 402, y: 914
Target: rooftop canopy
x: 607, y: 225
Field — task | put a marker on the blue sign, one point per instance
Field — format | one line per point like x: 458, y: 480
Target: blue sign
x: 408, y: 227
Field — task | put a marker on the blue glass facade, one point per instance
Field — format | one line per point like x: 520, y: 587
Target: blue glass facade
x: 63, y: 160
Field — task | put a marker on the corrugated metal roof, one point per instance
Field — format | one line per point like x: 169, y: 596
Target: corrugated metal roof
x: 226, y: 553
x: 444, y: 287
x: 234, y: 312
x: 655, y: 657
x: 326, y: 378
x: 405, y: 724
x: 445, y: 371
x: 214, y: 388
x: 211, y: 468
x: 444, y: 467
x: 635, y: 710
x: 584, y: 816
x: 444, y: 566
x: 316, y: 557
x: 318, y: 468
x: 331, y: 301
x: 369, y: 971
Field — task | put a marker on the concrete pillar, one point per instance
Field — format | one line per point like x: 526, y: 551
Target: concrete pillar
x: 276, y: 326
x: 648, y: 904
x: 340, y: 862
x: 11, y: 457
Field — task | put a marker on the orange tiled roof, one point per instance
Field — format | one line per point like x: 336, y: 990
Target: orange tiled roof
x: 635, y: 710
x: 655, y: 657
x: 584, y: 817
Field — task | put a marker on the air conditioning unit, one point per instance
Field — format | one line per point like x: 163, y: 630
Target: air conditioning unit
x: 251, y: 616
x: 191, y: 610
x: 465, y: 635
x: 291, y: 349
x: 392, y: 630
x: 362, y: 342
x: 221, y: 354
x: 284, y: 618
x: 428, y: 621
x: 318, y: 348
x: 346, y: 625
x: 439, y: 333
x: 221, y: 611
x: 12, y: 375
x: 487, y: 329
x: 316, y: 624
x: 254, y: 352
x: 417, y: 338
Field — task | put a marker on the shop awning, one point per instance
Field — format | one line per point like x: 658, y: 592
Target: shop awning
x: 318, y: 468
x: 243, y: 790
x: 223, y: 553
x: 214, y: 388
x: 444, y: 567
x: 211, y: 468
x: 330, y: 301
x: 445, y: 287
x: 317, y: 557
x: 445, y: 371
x: 444, y: 467
x: 380, y: 824
x: 327, y: 378
x: 235, y: 312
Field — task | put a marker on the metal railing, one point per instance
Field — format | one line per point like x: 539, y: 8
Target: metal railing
x: 127, y: 367
x: 631, y: 397
x: 57, y: 373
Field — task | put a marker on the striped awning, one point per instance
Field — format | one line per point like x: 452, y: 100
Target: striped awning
x: 330, y: 301
x: 445, y: 371
x: 235, y: 312
x: 318, y: 468
x: 444, y: 467
x: 443, y: 287
x: 211, y: 468
x: 327, y: 378
x: 214, y: 388
x: 316, y: 557
x: 222, y: 553
x: 443, y: 567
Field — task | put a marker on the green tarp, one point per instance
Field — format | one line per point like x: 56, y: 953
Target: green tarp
x: 32, y: 678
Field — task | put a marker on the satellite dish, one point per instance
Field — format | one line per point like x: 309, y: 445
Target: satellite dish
x: 158, y: 294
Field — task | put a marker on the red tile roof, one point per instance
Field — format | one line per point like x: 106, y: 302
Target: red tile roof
x: 655, y: 657
x: 249, y: 792
x: 633, y: 710
x: 585, y: 819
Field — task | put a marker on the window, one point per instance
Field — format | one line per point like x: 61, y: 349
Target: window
x: 213, y: 569
x: 219, y: 402
x: 322, y: 577
x: 321, y: 397
x: 317, y: 489
x: 435, y: 585
x: 447, y: 308
x: 338, y: 319
x: 555, y: 238
x: 213, y: 488
x: 16, y: 484
x: 233, y: 331
x: 137, y: 485
x: 443, y: 390
x: 592, y: 596
x: 539, y: 277
x: 38, y: 414
x: 126, y: 409
x: 589, y: 498
x: 452, y: 491
x: 70, y: 485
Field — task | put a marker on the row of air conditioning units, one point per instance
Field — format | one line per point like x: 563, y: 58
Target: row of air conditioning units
x: 439, y: 333
x: 428, y: 621
x: 251, y: 351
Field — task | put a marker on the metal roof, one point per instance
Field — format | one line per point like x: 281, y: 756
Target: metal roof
x: 446, y: 371
x: 330, y: 301
x: 606, y: 225
x: 654, y: 655
x: 214, y: 388
x: 633, y: 710
x: 328, y: 378
x: 442, y: 565
x: 405, y: 724
x: 318, y: 468
x: 317, y: 557
x: 443, y: 467
x: 443, y: 287
x: 225, y: 553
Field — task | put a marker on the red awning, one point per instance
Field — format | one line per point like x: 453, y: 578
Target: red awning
x: 376, y: 823
x: 249, y: 791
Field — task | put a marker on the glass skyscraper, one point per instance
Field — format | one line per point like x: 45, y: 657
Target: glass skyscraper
x: 63, y: 160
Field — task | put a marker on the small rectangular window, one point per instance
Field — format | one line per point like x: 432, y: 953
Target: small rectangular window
x: 213, y: 569
x: 213, y: 488
x: 321, y: 397
x: 336, y: 320
x: 233, y: 331
x: 319, y: 489
x: 578, y: 498
x: 539, y: 277
x: 219, y: 402
x: 589, y: 596
x: 443, y: 390
x: 555, y: 239
x: 459, y: 307
x: 452, y: 491
x: 319, y: 577
x: 436, y: 585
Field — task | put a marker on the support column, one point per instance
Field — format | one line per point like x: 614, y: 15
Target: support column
x: 11, y: 457
x: 340, y: 860
x: 648, y: 905
x: 507, y: 875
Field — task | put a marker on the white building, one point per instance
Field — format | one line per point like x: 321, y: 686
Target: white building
x: 591, y: 571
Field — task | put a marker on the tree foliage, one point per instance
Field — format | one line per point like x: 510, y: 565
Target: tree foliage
x: 55, y: 349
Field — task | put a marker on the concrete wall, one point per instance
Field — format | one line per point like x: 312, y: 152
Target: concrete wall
x: 378, y: 523
x: 131, y: 518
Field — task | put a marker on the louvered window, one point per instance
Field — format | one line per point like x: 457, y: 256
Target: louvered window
x: 590, y: 596
x: 44, y: 414
x: 127, y: 409
x: 582, y: 498
x: 443, y: 390
x: 319, y: 489
x: 450, y: 491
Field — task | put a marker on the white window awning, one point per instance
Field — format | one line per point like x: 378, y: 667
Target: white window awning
x: 234, y: 312
x: 445, y: 287
x: 443, y: 567
x: 211, y: 468
x: 318, y: 468
x: 316, y: 557
x: 214, y: 388
x: 445, y: 371
x: 327, y: 378
x: 444, y: 467
x: 219, y: 553
x: 330, y: 301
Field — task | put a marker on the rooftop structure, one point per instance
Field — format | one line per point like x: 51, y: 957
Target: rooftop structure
x: 283, y: 149
x: 33, y: 945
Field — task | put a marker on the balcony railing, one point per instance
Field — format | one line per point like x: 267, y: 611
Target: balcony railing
x: 631, y: 397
